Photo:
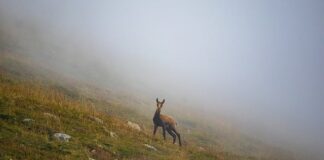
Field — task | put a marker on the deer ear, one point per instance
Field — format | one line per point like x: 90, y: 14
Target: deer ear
x: 157, y: 100
x: 163, y: 101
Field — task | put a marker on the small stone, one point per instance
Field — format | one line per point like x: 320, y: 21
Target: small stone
x: 201, y: 149
x: 150, y: 147
x: 113, y: 134
x: 134, y: 125
x: 105, y: 129
x: 50, y: 115
x: 27, y: 120
x: 98, y: 120
x: 62, y: 137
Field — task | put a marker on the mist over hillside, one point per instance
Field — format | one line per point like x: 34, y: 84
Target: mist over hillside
x: 254, y: 69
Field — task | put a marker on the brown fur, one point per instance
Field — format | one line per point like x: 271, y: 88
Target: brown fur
x: 169, y: 120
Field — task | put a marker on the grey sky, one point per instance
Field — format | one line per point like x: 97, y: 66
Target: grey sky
x: 263, y: 60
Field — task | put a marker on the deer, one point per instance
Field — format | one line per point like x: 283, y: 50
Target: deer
x: 166, y: 122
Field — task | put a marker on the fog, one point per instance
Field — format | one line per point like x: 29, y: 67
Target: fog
x: 260, y: 64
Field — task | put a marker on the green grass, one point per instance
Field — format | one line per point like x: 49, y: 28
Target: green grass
x: 25, y: 92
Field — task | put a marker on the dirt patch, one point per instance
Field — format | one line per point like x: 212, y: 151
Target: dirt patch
x: 100, y: 154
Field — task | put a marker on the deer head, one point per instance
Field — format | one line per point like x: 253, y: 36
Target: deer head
x: 159, y: 104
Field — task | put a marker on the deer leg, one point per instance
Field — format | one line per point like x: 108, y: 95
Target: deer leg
x: 163, y: 127
x: 175, y: 131
x: 172, y: 134
x: 155, y: 128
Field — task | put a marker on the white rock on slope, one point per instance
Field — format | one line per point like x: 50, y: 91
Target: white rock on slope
x: 28, y: 120
x: 98, y: 120
x: 52, y: 116
x: 62, y: 137
x: 134, y: 125
x: 150, y: 147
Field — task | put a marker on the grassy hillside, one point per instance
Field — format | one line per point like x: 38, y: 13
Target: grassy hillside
x: 90, y: 115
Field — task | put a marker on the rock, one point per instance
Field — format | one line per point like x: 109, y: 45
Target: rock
x: 50, y: 115
x: 98, y: 120
x: 201, y: 148
x: 113, y: 134
x: 62, y: 137
x: 134, y: 125
x: 150, y: 147
x: 91, y: 159
x: 27, y: 120
x: 106, y: 130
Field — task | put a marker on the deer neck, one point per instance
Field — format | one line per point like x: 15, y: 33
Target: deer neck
x: 157, y: 114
